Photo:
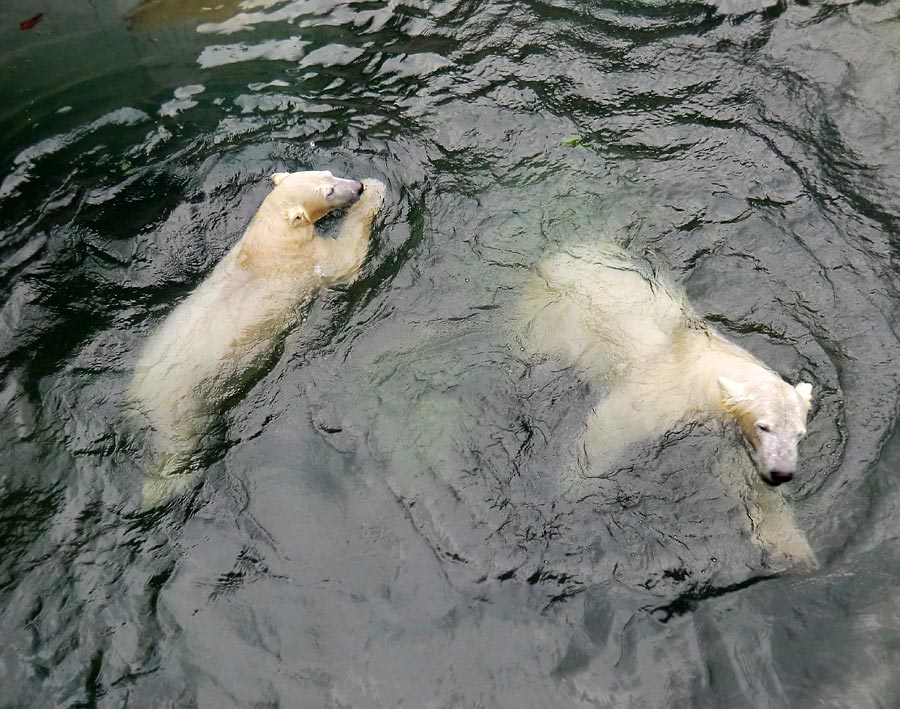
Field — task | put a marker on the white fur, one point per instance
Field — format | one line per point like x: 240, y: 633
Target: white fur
x: 595, y: 308
x: 195, y: 359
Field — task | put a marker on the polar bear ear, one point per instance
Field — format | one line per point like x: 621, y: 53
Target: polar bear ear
x: 732, y: 392
x: 297, y: 216
x: 277, y: 177
x: 804, y: 389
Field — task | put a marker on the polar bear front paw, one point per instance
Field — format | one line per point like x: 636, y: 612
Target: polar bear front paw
x: 372, y: 197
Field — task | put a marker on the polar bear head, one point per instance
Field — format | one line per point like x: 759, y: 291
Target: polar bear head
x: 772, y: 417
x: 309, y: 196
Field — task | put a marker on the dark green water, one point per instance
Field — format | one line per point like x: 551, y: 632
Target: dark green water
x: 384, y: 524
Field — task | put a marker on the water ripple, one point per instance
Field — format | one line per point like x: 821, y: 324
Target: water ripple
x: 383, y: 520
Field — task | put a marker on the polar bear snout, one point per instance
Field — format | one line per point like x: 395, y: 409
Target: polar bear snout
x: 777, y: 459
x: 343, y: 192
x: 314, y: 193
x: 772, y: 418
x: 778, y: 477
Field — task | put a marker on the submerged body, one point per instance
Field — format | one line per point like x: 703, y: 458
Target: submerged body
x: 594, y: 308
x: 201, y: 355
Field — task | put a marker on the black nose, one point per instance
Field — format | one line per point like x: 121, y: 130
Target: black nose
x: 777, y: 477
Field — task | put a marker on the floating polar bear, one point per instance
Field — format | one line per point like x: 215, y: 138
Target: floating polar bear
x: 595, y: 308
x: 200, y: 356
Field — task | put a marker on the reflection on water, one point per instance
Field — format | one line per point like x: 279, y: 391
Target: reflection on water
x: 158, y: 14
x: 384, y: 522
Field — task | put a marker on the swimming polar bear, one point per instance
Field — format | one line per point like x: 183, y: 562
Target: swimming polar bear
x: 199, y: 357
x: 596, y: 308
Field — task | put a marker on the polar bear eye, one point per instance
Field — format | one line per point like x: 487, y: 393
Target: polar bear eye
x: 330, y: 192
x: 764, y: 427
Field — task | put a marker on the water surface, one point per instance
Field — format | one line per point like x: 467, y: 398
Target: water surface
x: 387, y: 521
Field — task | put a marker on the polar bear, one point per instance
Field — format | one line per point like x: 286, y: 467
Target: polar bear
x: 201, y: 355
x: 596, y: 308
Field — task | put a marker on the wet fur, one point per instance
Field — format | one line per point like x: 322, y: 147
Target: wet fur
x: 196, y: 361
x: 620, y: 322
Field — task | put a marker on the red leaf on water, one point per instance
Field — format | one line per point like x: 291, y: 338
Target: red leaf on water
x: 31, y: 21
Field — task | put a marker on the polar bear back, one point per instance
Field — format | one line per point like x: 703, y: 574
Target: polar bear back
x: 230, y: 320
x: 595, y: 308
